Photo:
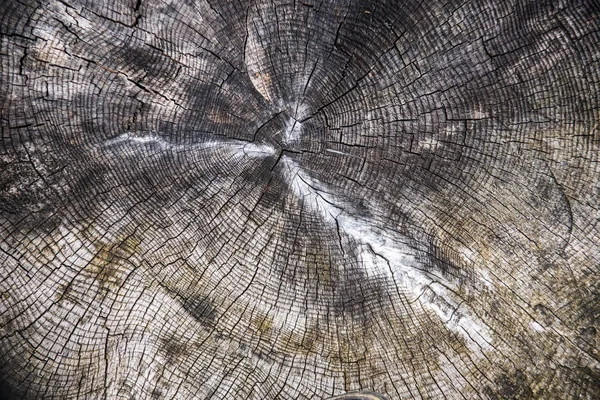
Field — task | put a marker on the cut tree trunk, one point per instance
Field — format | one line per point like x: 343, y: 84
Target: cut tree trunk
x: 215, y: 199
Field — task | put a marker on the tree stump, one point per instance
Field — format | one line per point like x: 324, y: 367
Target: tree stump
x: 216, y: 199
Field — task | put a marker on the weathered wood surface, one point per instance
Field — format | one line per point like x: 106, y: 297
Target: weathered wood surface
x: 291, y: 200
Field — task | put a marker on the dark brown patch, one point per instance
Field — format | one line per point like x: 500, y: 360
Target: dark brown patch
x: 173, y: 349
x: 513, y: 386
x: 202, y: 309
x: 63, y: 291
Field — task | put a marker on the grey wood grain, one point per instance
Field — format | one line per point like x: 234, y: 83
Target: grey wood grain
x: 213, y: 199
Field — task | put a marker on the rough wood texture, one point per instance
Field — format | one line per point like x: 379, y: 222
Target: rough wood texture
x: 215, y: 199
